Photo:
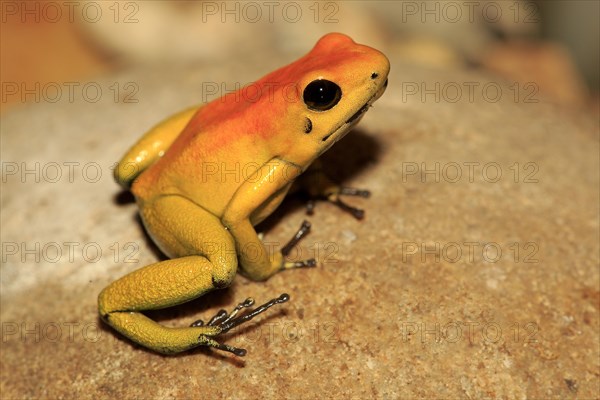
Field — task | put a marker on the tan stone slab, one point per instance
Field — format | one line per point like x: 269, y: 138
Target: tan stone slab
x: 413, y: 301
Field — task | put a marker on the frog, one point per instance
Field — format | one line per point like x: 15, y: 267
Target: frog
x: 201, y: 211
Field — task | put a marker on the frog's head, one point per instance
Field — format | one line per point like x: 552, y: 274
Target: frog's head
x: 335, y: 84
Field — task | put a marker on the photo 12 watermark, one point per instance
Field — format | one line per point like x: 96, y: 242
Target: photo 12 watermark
x: 469, y: 172
x: 125, y: 12
x: 53, y: 172
x: 454, y: 12
x: 71, y: 92
x: 466, y: 331
x: 469, y: 252
x: 48, y: 332
x: 271, y: 92
x: 27, y: 172
x: 51, y: 332
x: 469, y: 92
x: 288, y: 331
x: 128, y: 252
x: 69, y: 252
x: 270, y: 11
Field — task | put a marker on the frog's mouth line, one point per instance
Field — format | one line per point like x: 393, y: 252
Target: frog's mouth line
x: 360, y: 112
x: 350, y: 120
x: 356, y: 116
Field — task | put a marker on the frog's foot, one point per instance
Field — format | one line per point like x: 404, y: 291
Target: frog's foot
x: 285, y: 250
x: 333, y: 197
x: 226, y: 322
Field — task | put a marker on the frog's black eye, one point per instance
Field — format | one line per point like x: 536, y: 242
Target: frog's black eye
x: 322, y: 95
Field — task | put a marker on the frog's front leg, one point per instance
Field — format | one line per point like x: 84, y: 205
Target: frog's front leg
x: 260, y: 188
x: 319, y: 186
x: 206, y: 260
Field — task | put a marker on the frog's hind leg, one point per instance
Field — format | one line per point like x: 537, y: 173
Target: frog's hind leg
x: 143, y: 330
x: 207, y: 260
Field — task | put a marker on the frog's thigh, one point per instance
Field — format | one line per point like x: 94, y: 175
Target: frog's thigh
x: 209, y: 261
x: 172, y: 282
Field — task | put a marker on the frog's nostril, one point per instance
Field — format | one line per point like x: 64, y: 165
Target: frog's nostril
x: 374, y: 75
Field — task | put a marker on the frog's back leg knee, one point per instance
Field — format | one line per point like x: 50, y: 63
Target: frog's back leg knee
x: 210, y: 263
x: 156, y: 286
x: 151, y: 147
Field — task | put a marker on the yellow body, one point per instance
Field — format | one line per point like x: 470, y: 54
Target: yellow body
x: 204, y: 177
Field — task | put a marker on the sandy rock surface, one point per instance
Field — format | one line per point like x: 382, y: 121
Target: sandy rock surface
x: 473, y: 275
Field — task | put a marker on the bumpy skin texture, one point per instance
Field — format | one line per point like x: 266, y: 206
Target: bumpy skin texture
x: 204, y: 177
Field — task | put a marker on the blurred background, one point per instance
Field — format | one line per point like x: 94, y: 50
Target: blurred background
x: 552, y: 43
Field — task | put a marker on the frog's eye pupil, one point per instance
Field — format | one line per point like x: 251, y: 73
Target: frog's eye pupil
x: 322, y: 95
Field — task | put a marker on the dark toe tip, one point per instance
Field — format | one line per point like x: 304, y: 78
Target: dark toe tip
x: 283, y: 298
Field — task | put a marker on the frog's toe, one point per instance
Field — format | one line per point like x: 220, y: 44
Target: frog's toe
x: 208, y: 341
x: 333, y: 196
x: 232, y: 321
x: 285, y: 250
x: 226, y: 321
x: 350, y: 191
x: 311, y: 262
x: 300, y: 233
x: 356, y: 212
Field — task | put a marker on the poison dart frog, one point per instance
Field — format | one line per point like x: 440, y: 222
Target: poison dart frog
x: 203, y: 218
